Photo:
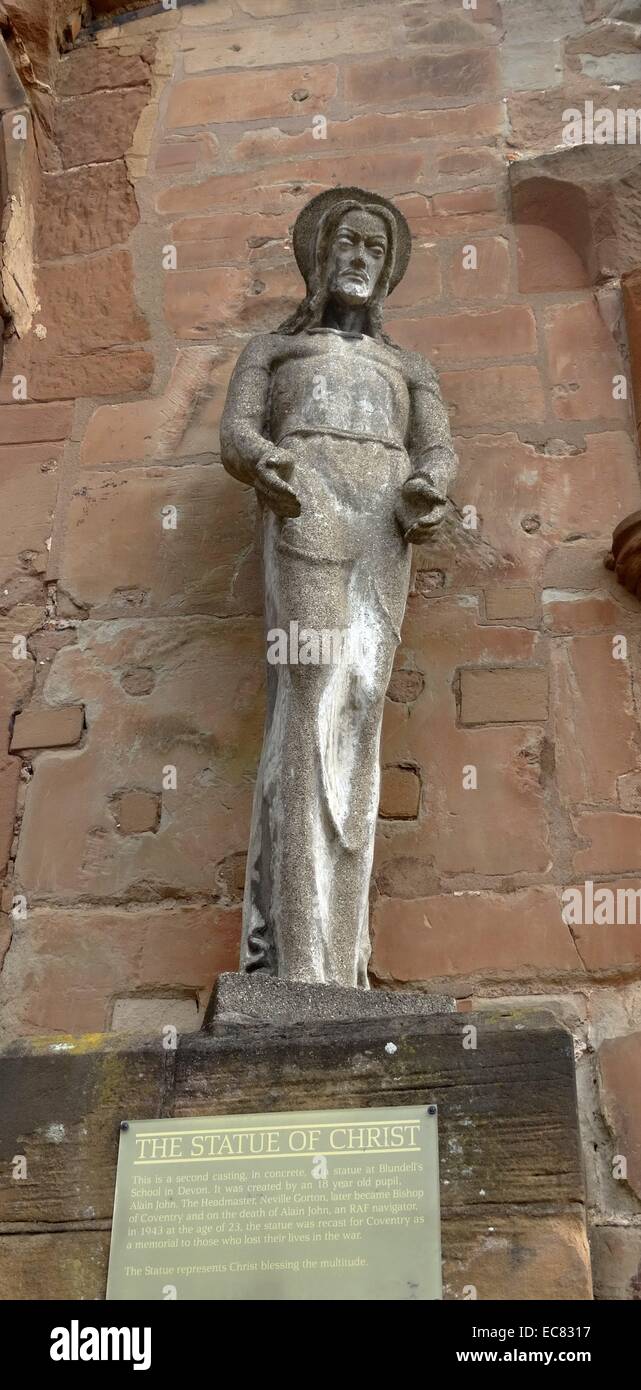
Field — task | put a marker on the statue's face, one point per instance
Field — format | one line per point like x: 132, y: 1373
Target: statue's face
x: 356, y: 257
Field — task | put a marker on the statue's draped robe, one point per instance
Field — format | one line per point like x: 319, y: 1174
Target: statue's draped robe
x: 358, y: 417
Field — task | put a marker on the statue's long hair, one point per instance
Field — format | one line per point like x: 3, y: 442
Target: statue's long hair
x: 310, y: 311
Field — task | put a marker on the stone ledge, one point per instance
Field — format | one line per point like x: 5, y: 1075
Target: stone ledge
x: 262, y: 998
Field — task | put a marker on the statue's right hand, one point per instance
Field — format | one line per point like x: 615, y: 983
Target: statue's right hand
x: 271, y: 486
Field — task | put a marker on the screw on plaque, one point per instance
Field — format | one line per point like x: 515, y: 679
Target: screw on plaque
x: 431, y: 1109
x: 124, y: 1124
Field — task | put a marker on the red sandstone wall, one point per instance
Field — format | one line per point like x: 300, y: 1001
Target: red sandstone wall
x: 197, y: 131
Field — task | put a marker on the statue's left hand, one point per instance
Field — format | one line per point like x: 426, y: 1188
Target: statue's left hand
x: 421, y: 510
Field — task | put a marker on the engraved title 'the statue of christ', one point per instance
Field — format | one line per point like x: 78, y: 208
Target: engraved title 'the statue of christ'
x: 346, y: 440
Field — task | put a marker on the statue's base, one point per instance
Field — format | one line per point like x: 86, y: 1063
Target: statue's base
x: 512, y: 1201
x: 256, y: 998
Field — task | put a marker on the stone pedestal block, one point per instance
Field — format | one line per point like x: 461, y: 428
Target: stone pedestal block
x: 512, y: 1197
x: 262, y: 998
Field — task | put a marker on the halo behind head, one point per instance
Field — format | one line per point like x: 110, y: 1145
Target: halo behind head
x: 308, y: 220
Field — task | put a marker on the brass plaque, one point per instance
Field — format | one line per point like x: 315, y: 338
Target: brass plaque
x: 314, y: 1204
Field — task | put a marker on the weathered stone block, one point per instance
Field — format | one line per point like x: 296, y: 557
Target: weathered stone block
x: 85, y: 210
x: 48, y: 728
x: 65, y: 967
x: 422, y: 77
x: 100, y: 127
x: 400, y: 793
x: 262, y: 998
x: 479, y: 396
x: 137, y: 812
x: 509, y: 1149
x: 504, y: 695
x: 507, y: 602
x: 250, y: 96
x: 450, y: 338
x: 616, y: 1262
x: 620, y: 1086
x: 457, y: 940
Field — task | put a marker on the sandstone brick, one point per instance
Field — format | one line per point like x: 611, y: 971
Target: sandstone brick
x: 65, y: 969
x: 509, y: 332
x: 91, y: 304
x: 611, y: 843
x: 422, y: 77
x: 466, y: 202
x: 266, y: 9
x: 375, y: 129
x: 407, y: 876
x: 90, y: 69
x: 138, y: 1014
x: 578, y: 564
x: 24, y: 423
x: 230, y: 877
x: 550, y: 1253
x: 612, y: 950
x: 238, y: 230
x: 85, y: 210
x: 28, y: 489
x: 99, y: 127
x: 568, y: 614
x: 506, y: 602
x: 255, y: 46
x: 490, y: 279
x: 60, y: 1265
x: 452, y: 33
x: 63, y: 376
x: 428, y: 581
x: 137, y: 812
x: 536, y: 118
x: 629, y: 791
x: 438, y: 25
x: 607, y: 37
x: 405, y: 686
x: 486, y: 395
x: 464, y: 163
x: 529, y: 68
x: 288, y: 184
x: 503, y: 695
x: 592, y: 754
x: 211, y: 12
x: 400, y: 793
x: 473, y: 936
x: 188, y: 152
x: 619, y: 1062
x: 616, y: 1262
x: 583, y: 361
x: 422, y: 281
x: 198, y: 302
x: 48, y: 728
x: 250, y: 96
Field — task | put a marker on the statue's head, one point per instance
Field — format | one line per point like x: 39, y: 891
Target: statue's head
x: 353, y: 247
